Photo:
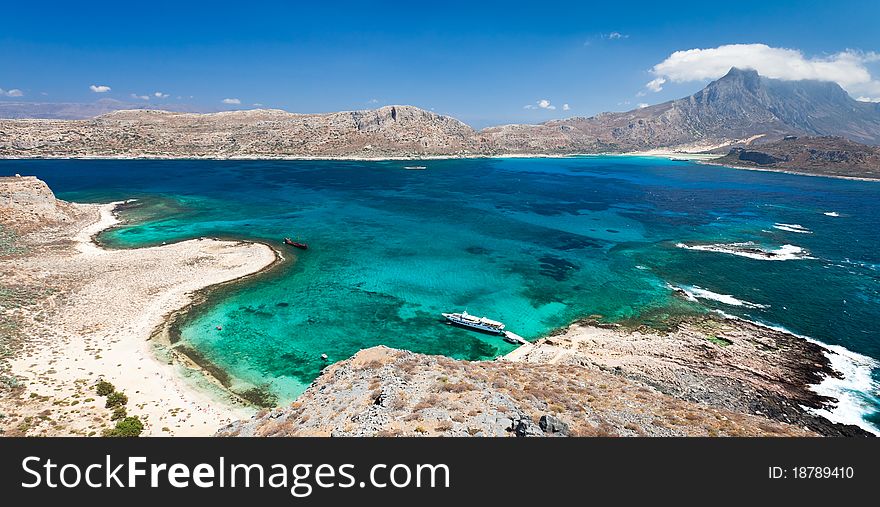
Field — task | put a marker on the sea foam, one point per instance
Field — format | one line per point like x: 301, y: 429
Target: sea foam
x: 695, y: 293
x: 856, y: 392
x: 792, y: 228
x: 751, y: 250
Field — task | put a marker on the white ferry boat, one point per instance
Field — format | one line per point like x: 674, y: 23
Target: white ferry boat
x: 482, y: 323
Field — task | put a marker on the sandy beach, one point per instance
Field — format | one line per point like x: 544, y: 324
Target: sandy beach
x: 95, y: 321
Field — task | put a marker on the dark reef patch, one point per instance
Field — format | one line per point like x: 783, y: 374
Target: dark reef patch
x: 556, y: 268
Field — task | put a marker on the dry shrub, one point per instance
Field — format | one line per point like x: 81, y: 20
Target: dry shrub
x: 444, y: 426
x: 606, y: 430
x: 375, y: 364
x: 635, y: 428
x: 391, y: 432
x: 690, y: 416
x: 769, y: 427
x: 458, y: 387
x: 412, y: 416
x: 428, y: 402
x: 399, y: 402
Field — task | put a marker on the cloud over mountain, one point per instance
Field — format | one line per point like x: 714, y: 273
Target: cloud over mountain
x: 848, y: 68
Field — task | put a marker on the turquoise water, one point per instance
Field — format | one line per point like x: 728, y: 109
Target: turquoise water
x: 535, y: 243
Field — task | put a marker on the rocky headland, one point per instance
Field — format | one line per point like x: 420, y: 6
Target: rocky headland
x: 820, y: 156
x: 706, y: 376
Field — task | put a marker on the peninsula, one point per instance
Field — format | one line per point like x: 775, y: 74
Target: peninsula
x: 74, y: 313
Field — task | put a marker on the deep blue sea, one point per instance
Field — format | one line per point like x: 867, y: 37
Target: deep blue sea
x: 536, y: 243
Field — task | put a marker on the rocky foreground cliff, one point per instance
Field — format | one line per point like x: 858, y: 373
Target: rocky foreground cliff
x: 707, y: 377
x: 741, y: 108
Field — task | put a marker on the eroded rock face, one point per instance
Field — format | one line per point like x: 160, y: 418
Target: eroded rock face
x: 26, y: 200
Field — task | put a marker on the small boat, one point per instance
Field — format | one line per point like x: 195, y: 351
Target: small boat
x: 480, y: 323
x: 415, y: 167
x: 297, y: 244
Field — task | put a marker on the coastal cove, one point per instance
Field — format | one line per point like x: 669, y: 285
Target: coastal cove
x: 535, y: 242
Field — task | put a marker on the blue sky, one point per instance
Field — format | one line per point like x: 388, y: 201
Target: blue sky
x: 482, y: 62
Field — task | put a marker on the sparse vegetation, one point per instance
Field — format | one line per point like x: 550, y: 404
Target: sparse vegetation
x: 719, y: 340
x: 128, y: 427
x: 118, y: 413
x: 116, y: 399
x: 104, y: 388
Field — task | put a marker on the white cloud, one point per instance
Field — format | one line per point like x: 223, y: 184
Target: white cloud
x: 257, y: 104
x: 565, y: 107
x: 15, y: 92
x: 868, y: 99
x: 655, y: 85
x: 160, y: 95
x: 141, y: 97
x: 545, y: 104
x: 642, y: 105
x: 530, y: 106
x: 231, y: 101
x: 99, y: 88
x: 616, y: 36
x: 846, y: 68
x: 373, y: 101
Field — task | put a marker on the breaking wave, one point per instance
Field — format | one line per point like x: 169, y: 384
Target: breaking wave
x: 695, y: 293
x: 751, y: 250
x: 792, y: 228
x: 857, y: 393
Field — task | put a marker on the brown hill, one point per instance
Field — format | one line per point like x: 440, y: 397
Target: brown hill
x: 824, y: 156
x: 739, y: 107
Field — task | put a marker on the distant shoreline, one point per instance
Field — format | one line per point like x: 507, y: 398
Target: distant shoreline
x: 652, y: 154
x: 697, y: 158
x: 788, y: 171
